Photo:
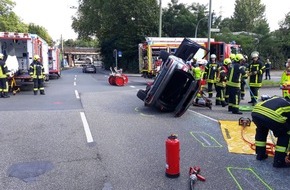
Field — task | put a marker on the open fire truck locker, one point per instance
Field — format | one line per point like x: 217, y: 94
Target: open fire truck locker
x: 150, y: 49
x: 54, y: 62
x: 19, y: 50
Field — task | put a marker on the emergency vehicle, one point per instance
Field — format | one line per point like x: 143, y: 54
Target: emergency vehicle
x: 19, y: 50
x: 149, y: 51
x: 54, y: 61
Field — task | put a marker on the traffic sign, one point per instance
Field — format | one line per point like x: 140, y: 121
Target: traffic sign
x: 215, y: 30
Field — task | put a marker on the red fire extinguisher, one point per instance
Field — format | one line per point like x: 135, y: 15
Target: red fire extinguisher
x: 172, y: 156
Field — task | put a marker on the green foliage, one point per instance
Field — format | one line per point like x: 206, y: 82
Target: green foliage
x: 118, y: 24
x: 40, y: 31
x: 249, y: 15
x: 9, y: 21
x: 81, y: 43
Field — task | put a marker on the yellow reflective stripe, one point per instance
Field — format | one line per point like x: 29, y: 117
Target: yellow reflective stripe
x: 270, y: 113
x: 260, y: 143
x: 280, y: 148
x: 283, y: 110
x: 234, y: 84
x: 255, y: 84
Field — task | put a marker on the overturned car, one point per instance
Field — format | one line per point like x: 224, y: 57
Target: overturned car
x: 174, y: 88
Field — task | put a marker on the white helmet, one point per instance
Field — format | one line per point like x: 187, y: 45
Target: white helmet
x: 254, y: 54
x: 205, y: 61
x: 213, y: 56
x: 1, y: 56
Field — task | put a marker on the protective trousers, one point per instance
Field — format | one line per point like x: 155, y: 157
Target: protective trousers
x: 210, y: 89
x: 234, y: 98
x: 220, y: 95
x: 38, y: 85
x: 4, y: 88
x: 264, y: 124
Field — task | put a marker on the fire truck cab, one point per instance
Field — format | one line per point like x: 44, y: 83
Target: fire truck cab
x: 150, y: 49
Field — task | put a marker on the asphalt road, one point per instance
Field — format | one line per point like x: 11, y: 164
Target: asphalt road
x: 86, y: 134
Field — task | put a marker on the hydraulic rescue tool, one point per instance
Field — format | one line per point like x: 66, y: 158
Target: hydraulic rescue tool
x: 194, y: 176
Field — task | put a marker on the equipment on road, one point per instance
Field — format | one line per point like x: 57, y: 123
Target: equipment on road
x: 246, y: 122
x: 202, y: 101
x: 117, y: 77
x: 172, y: 156
x: 194, y: 176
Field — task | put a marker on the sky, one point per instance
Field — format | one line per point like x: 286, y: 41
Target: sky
x: 55, y: 15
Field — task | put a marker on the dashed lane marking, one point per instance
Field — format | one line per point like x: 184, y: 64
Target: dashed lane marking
x: 86, y: 128
x: 77, y: 94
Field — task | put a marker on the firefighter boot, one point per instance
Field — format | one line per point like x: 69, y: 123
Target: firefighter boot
x: 5, y: 95
x: 224, y: 104
x: 218, y: 102
x: 261, y: 153
x: 279, y: 160
x: 42, y: 92
x: 2, y: 95
x: 35, y: 92
x: 236, y: 111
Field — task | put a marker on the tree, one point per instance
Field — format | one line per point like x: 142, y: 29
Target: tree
x: 118, y: 25
x: 180, y: 20
x: 41, y: 31
x: 249, y: 16
x: 9, y: 21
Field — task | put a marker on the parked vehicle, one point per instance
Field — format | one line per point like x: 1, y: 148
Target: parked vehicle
x: 174, y: 88
x: 89, y: 66
x: 19, y: 49
x: 54, y: 62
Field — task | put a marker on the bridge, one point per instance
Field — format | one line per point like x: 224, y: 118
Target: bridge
x: 72, y: 54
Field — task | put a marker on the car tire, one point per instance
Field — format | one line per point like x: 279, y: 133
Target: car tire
x: 141, y: 94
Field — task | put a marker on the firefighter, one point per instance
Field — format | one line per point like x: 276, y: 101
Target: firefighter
x: 4, y: 87
x: 272, y: 114
x: 235, y: 73
x: 37, y: 74
x: 233, y: 59
x: 244, y: 78
x: 221, y: 82
x: 256, y: 70
x: 285, y: 80
x: 211, y: 73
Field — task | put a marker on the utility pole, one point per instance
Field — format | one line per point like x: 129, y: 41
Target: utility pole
x: 160, y: 18
x: 209, y: 28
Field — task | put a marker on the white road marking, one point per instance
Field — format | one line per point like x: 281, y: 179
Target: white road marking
x: 77, y: 94
x: 133, y: 86
x: 75, y: 83
x: 204, y: 116
x: 86, y: 128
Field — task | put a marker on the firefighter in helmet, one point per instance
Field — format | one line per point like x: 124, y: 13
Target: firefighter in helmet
x: 211, y: 73
x: 273, y: 114
x: 285, y: 80
x: 256, y: 70
x: 233, y: 88
x: 37, y: 73
x: 221, y: 82
x: 4, y: 87
x: 244, y: 78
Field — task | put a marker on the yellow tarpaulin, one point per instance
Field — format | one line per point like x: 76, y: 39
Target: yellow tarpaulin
x: 232, y: 133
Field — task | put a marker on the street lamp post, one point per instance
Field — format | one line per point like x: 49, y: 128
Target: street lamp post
x: 195, y: 35
x: 209, y: 27
x: 160, y: 18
